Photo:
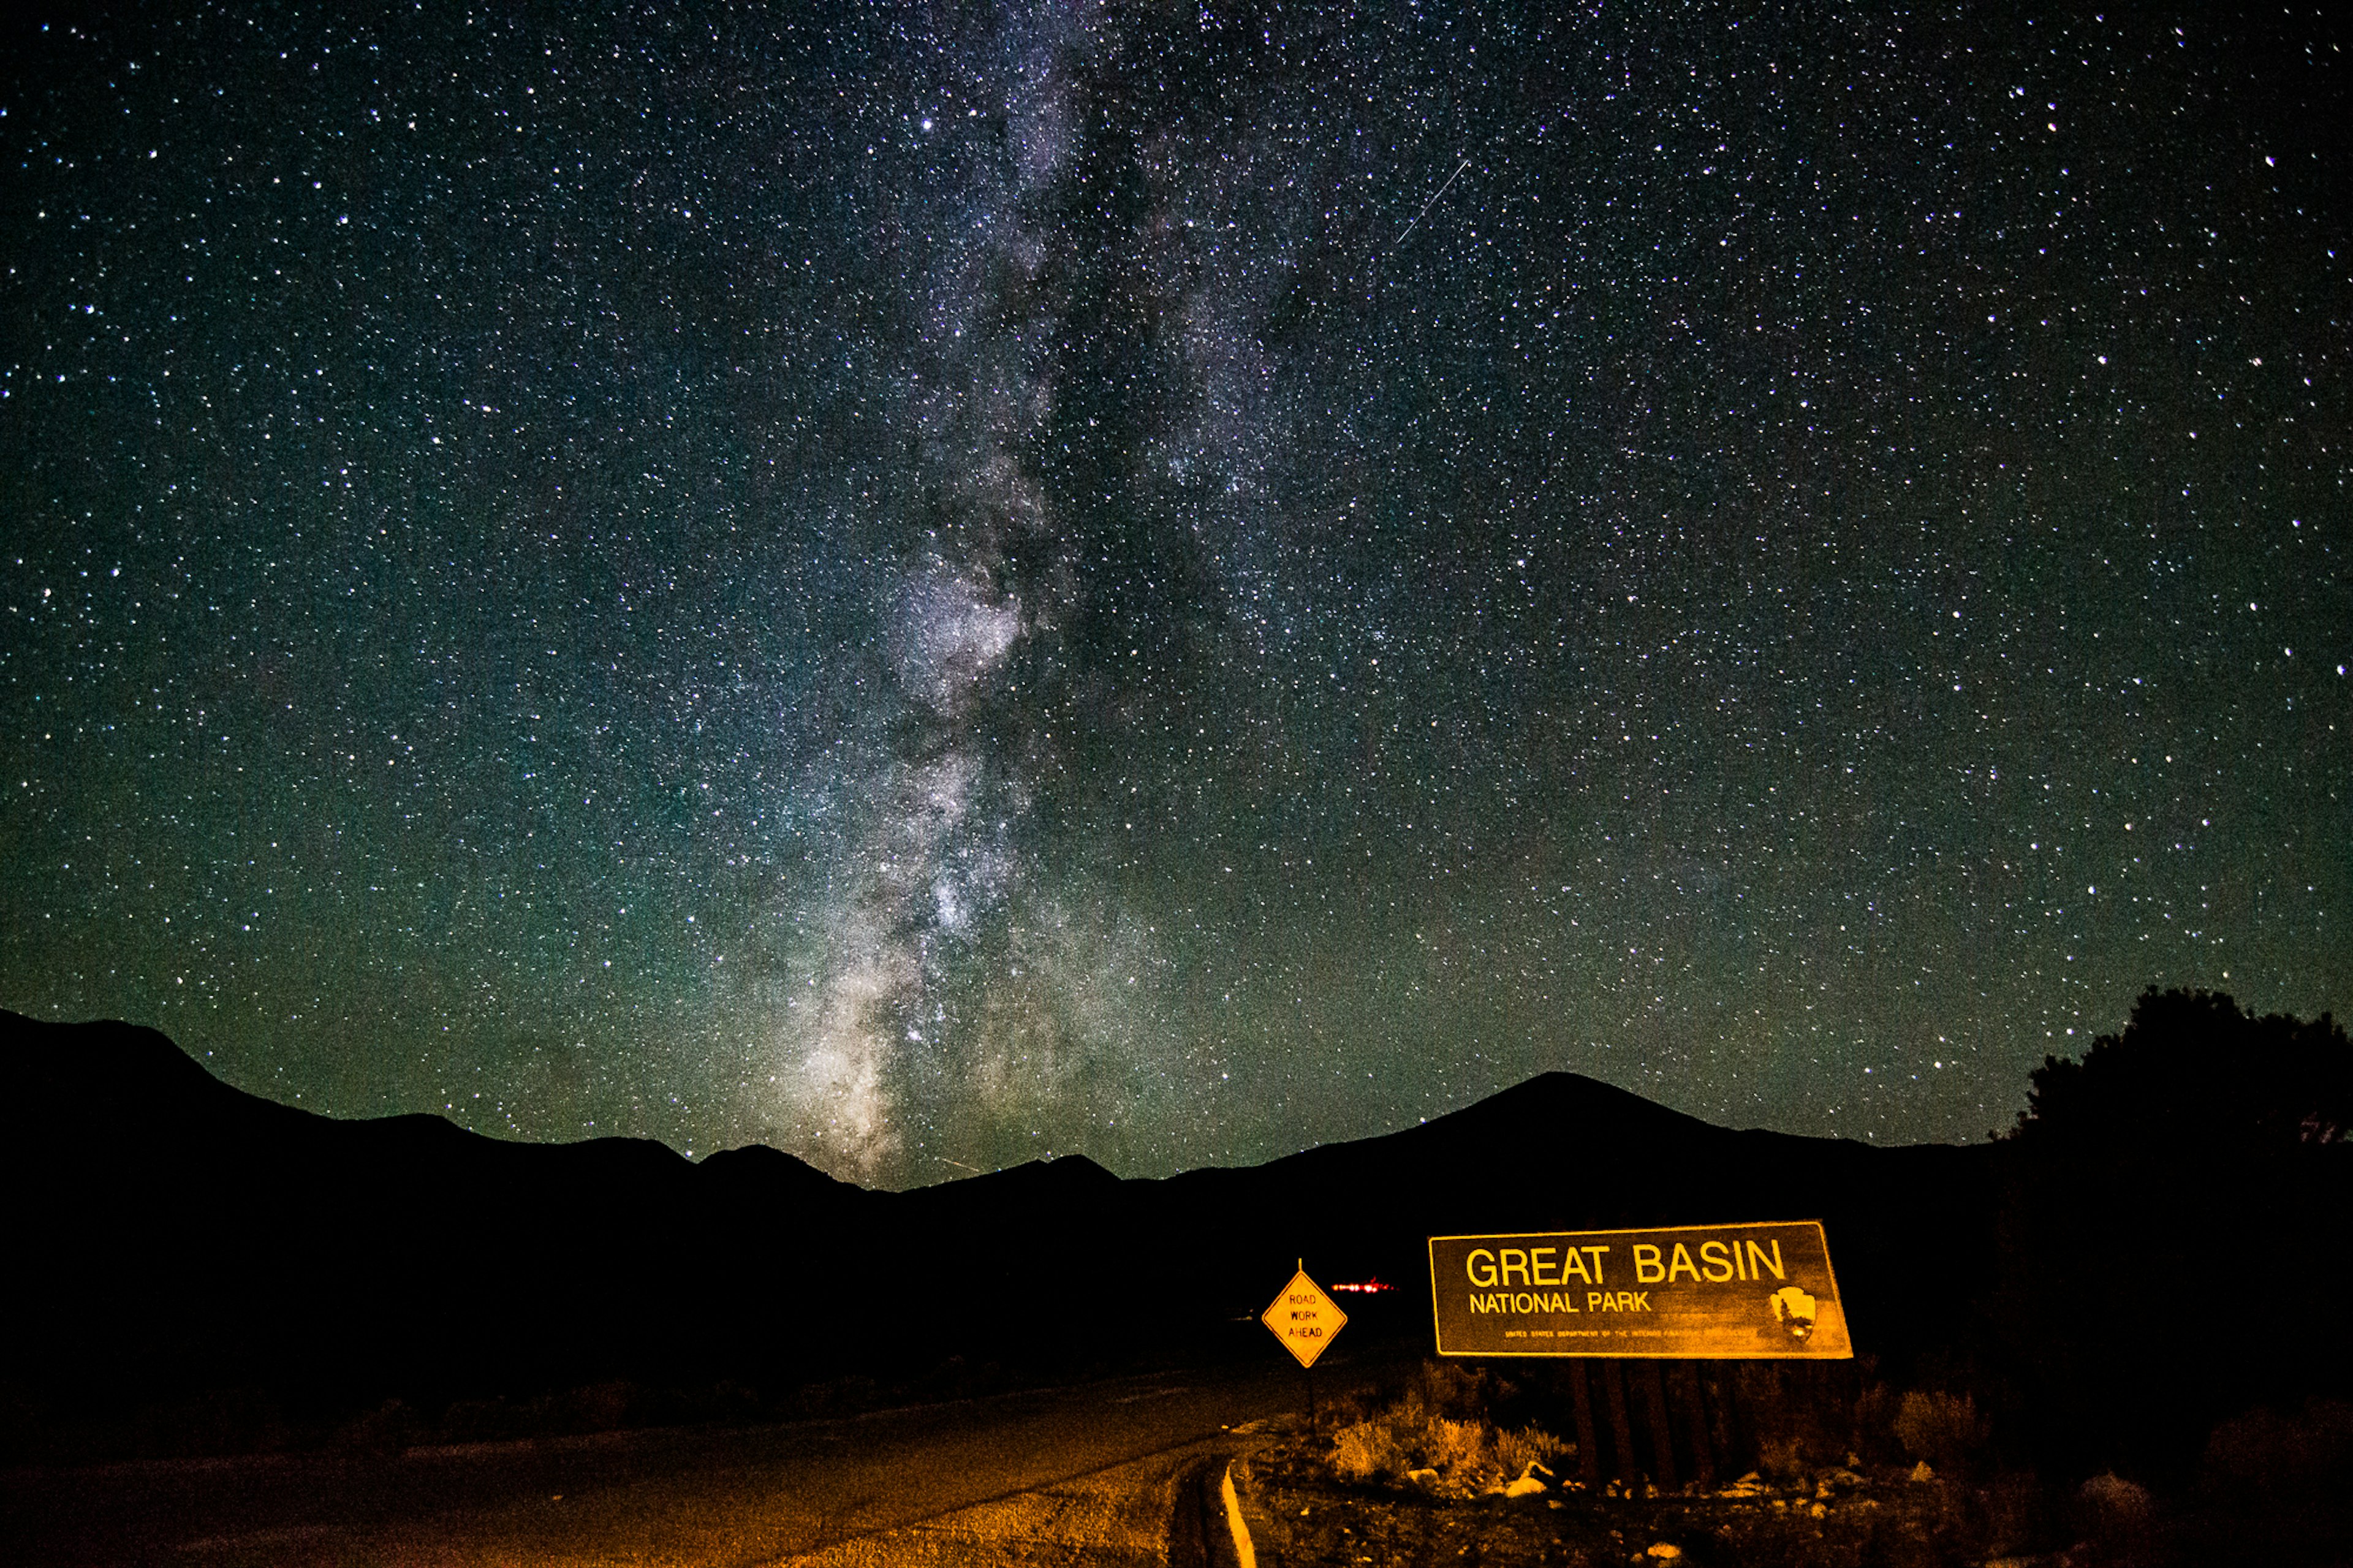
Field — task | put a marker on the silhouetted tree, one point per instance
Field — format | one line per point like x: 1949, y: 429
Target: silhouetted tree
x: 2165, y: 1205
x: 2191, y: 1069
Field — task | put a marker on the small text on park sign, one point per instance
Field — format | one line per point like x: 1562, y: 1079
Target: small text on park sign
x: 1304, y: 1318
x: 1725, y: 1293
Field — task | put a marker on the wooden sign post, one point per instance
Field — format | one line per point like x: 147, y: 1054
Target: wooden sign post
x: 1631, y: 1299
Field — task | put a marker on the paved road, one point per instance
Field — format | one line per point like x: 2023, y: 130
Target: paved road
x: 1078, y: 1476
x: 1124, y: 1516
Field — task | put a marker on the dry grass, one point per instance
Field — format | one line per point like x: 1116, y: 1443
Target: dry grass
x: 1437, y: 1435
x: 1943, y: 1429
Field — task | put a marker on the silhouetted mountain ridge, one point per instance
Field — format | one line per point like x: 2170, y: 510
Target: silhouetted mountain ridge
x: 1601, y: 1118
x: 184, y: 1234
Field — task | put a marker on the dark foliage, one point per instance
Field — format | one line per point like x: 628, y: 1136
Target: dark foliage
x: 2167, y: 1206
x: 2190, y: 1070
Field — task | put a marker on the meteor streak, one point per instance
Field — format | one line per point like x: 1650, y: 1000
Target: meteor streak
x: 1430, y: 203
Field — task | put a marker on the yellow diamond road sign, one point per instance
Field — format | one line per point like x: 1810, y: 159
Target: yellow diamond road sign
x: 1304, y: 1318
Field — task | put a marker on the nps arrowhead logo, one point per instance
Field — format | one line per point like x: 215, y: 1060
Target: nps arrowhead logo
x: 1794, y: 1310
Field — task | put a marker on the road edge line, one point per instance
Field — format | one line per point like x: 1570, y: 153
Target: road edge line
x: 1245, y: 1553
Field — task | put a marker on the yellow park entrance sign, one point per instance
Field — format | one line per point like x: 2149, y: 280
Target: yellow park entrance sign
x: 1729, y: 1292
x: 1303, y: 1317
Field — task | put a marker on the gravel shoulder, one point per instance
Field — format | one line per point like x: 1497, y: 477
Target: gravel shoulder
x: 1303, y: 1516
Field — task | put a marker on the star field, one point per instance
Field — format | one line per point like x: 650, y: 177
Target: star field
x: 929, y: 586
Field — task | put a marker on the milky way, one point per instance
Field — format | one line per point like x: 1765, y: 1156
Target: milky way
x: 931, y: 586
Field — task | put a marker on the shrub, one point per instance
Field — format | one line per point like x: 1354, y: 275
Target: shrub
x: 1943, y: 1429
x: 1515, y: 1451
x: 2277, y: 1486
x: 1874, y: 1424
x: 1451, y: 1388
x: 1440, y: 1423
x: 1366, y: 1451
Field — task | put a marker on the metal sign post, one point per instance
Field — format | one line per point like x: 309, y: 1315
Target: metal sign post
x: 1306, y: 1320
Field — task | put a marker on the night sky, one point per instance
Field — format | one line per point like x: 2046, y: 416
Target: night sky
x: 930, y: 586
